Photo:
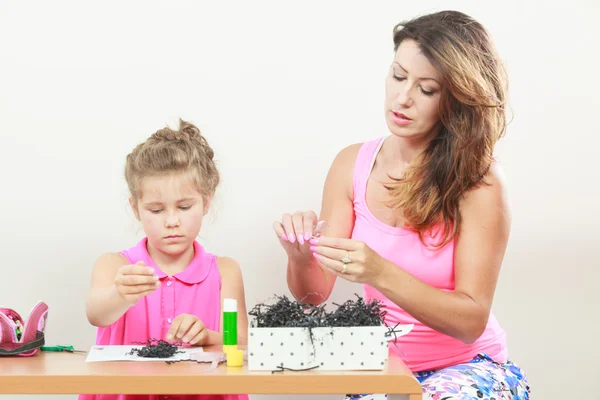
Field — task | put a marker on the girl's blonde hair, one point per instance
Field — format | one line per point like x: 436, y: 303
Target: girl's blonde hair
x: 170, y: 151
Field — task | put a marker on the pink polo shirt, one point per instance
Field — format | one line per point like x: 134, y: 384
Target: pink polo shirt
x: 196, y: 290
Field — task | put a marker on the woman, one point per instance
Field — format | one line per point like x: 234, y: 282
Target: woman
x: 420, y: 216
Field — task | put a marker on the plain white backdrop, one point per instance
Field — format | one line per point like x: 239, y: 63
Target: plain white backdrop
x: 278, y: 88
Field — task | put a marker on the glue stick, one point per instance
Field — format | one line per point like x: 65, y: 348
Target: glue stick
x: 229, y: 325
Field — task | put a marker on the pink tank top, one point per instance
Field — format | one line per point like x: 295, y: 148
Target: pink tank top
x: 423, y: 348
x: 196, y: 290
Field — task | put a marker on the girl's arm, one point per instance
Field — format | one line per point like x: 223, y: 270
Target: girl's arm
x: 115, y: 287
x: 232, y: 287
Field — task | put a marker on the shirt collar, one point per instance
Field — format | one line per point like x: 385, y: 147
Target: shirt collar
x: 196, y: 271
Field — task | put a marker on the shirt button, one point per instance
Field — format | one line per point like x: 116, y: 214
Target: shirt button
x: 169, y: 283
x: 169, y: 320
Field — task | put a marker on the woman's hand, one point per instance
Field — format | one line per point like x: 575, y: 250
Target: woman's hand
x: 349, y: 259
x: 295, y: 230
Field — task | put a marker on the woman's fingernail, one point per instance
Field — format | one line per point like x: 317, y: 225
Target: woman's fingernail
x: 292, y: 238
x: 313, y: 248
x: 306, y: 236
x: 284, y: 236
x: 300, y: 239
x: 314, y: 241
x: 186, y: 339
x: 169, y: 337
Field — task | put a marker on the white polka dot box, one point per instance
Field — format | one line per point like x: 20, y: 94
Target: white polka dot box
x: 329, y: 348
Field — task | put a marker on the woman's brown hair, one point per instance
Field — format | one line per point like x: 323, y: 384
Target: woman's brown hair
x: 472, y: 119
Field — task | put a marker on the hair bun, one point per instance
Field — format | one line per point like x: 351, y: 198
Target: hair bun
x: 166, y: 134
x: 168, y: 150
x: 189, y: 129
x: 186, y: 131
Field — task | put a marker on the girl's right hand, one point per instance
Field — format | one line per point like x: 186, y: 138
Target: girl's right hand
x: 136, y: 281
x: 295, y: 230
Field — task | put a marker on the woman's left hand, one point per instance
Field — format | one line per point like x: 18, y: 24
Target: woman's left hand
x: 349, y: 259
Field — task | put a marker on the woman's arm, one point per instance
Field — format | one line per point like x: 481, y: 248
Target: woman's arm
x: 306, y: 279
x: 479, y: 251
x: 480, y: 247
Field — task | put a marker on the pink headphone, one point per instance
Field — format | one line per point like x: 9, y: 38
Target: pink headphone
x: 18, y: 338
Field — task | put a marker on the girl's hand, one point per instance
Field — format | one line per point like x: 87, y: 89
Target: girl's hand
x: 136, y: 281
x: 188, y: 328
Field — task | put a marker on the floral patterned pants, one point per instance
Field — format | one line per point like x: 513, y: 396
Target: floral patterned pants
x: 481, y: 378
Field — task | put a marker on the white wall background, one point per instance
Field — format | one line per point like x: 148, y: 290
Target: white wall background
x: 278, y: 88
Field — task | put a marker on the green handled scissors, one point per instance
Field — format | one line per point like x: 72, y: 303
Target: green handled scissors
x: 68, y: 349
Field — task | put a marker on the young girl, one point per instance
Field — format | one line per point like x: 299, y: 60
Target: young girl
x: 167, y: 286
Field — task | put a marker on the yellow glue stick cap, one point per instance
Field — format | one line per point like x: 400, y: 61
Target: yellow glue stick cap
x: 229, y: 347
x: 235, y: 358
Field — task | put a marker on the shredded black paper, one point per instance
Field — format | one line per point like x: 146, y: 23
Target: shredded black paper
x: 156, y: 349
x: 285, y: 313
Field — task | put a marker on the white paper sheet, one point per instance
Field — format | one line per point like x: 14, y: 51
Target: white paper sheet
x: 121, y: 353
